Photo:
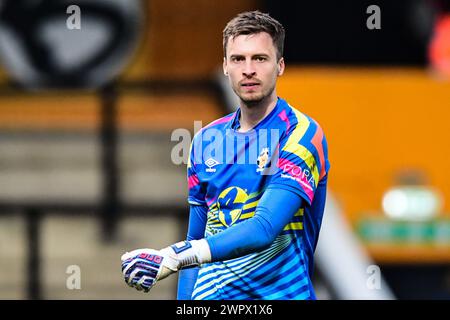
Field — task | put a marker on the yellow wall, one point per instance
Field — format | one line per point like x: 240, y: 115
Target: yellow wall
x: 377, y: 121
x: 136, y: 111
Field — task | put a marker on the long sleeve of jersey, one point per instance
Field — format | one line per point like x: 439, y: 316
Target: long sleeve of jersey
x: 275, y: 209
x: 196, y: 230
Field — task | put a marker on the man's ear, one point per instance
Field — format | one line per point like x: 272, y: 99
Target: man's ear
x: 281, y: 66
x: 225, y: 67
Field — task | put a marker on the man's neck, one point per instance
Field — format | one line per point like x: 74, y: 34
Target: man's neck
x: 251, y: 115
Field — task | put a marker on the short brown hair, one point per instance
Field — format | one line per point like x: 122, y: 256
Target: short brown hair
x: 253, y: 22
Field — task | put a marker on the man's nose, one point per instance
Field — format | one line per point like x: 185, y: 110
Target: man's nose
x: 249, y: 70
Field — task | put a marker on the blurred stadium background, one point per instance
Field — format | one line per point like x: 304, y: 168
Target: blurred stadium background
x: 86, y: 117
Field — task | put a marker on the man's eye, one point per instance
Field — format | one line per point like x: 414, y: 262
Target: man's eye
x: 237, y: 59
x: 260, y: 59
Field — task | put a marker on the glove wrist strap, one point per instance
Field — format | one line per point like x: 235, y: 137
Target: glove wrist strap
x: 192, y: 252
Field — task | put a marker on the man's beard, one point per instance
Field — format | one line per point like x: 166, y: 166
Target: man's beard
x: 254, y: 100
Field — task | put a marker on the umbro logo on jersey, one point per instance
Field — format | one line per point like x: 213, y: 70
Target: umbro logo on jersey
x: 211, y: 163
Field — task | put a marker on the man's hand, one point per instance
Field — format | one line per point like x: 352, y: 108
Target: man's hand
x: 142, y: 268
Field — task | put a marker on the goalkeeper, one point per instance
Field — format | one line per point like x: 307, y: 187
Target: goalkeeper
x: 254, y: 222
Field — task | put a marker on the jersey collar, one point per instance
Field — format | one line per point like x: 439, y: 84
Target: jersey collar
x: 235, y: 124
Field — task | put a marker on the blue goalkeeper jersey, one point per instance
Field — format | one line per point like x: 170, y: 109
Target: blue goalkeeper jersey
x: 229, y: 171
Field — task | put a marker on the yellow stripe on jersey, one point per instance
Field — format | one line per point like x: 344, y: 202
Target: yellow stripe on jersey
x: 253, y: 195
x: 216, y: 225
x: 247, y: 215
x: 250, y: 205
x: 300, y: 212
x: 294, y: 226
x: 293, y: 144
x: 300, y: 129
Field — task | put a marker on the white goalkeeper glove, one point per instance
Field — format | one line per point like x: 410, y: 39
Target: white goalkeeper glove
x: 142, y: 268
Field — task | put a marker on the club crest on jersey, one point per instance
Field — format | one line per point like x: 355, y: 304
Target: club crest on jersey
x: 262, y: 160
x: 229, y: 205
x: 211, y: 163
